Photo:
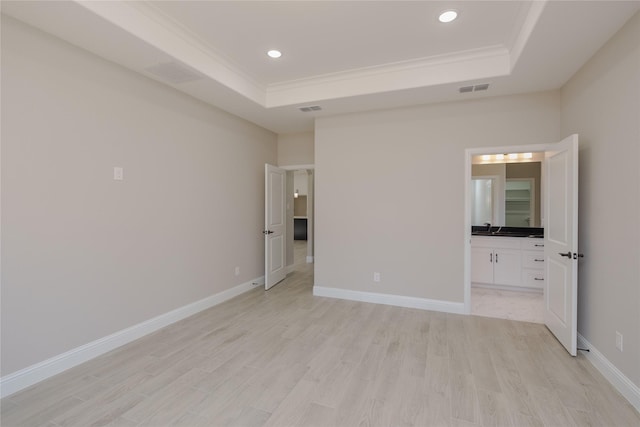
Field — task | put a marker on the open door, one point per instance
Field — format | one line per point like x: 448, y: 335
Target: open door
x: 274, y: 225
x: 561, y: 241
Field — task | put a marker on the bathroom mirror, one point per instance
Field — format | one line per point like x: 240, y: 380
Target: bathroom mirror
x: 506, y: 194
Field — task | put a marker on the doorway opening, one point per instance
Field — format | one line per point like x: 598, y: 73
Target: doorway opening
x: 300, y: 220
x: 558, y: 245
x: 506, y: 278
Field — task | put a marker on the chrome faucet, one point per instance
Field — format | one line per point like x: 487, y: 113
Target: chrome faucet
x: 488, y: 224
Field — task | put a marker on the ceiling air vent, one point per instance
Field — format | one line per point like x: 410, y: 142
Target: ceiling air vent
x: 476, y: 88
x: 310, y: 108
x: 174, y: 72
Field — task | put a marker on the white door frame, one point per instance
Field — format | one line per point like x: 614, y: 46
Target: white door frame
x: 469, y: 153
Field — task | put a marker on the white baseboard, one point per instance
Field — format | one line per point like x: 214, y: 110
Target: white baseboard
x: 623, y: 384
x: 397, y: 300
x: 33, y: 374
x: 309, y: 260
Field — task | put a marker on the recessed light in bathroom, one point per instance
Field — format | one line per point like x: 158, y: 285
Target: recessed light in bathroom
x: 274, y: 53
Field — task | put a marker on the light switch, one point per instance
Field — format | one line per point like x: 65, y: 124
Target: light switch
x: 118, y: 173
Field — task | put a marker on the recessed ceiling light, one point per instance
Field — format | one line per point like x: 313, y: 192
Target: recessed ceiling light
x: 448, y: 16
x: 274, y: 53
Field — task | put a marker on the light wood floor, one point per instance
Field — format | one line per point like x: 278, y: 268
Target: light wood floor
x: 287, y: 358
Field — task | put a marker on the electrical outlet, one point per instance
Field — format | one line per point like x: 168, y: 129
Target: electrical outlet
x: 237, y: 271
x: 376, y: 277
x: 118, y: 173
x: 618, y: 340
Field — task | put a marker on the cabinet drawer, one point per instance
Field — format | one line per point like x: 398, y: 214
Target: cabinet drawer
x: 533, y: 244
x: 533, y: 259
x: 533, y: 278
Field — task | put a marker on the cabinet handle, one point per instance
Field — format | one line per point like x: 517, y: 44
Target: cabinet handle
x: 539, y: 246
x: 535, y: 278
x: 538, y: 260
x: 496, y: 258
x: 491, y: 257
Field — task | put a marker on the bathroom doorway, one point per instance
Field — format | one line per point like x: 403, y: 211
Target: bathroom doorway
x: 503, y: 197
x: 559, y: 244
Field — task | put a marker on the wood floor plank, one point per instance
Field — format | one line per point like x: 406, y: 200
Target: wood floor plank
x: 318, y: 415
x: 249, y: 417
x: 464, y: 399
x: 164, y: 397
x: 550, y: 409
x: 285, y: 357
x: 494, y: 409
x: 330, y: 389
x: 191, y: 420
x: 353, y: 407
x: 294, y: 406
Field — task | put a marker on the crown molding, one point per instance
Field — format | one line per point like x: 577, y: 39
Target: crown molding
x: 493, y: 61
x: 529, y: 24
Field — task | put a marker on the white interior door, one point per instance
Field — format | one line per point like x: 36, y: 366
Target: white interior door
x: 274, y: 225
x: 561, y: 242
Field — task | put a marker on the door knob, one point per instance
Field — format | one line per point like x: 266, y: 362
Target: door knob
x: 568, y: 254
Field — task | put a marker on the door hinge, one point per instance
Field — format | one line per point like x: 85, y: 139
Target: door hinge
x: 265, y: 232
x: 577, y: 255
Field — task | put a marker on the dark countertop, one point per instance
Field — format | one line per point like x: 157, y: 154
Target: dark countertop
x: 534, y: 232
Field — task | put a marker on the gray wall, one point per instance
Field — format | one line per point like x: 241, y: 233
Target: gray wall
x: 602, y: 103
x: 390, y: 189
x: 84, y: 256
x: 295, y: 149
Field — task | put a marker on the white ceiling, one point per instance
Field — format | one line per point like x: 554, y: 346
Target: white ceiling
x: 344, y: 56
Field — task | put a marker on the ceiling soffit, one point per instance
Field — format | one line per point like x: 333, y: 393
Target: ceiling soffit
x: 152, y: 26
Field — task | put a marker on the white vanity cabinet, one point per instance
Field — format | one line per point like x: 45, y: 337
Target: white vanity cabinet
x: 507, y: 261
x: 496, y: 261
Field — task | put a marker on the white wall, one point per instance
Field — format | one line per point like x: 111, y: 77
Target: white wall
x: 390, y: 189
x: 295, y: 149
x: 84, y: 256
x: 602, y: 104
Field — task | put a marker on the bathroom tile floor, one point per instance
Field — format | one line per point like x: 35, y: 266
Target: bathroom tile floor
x: 503, y: 304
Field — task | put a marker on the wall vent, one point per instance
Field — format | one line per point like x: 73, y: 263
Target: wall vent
x: 476, y: 88
x: 310, y: 108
